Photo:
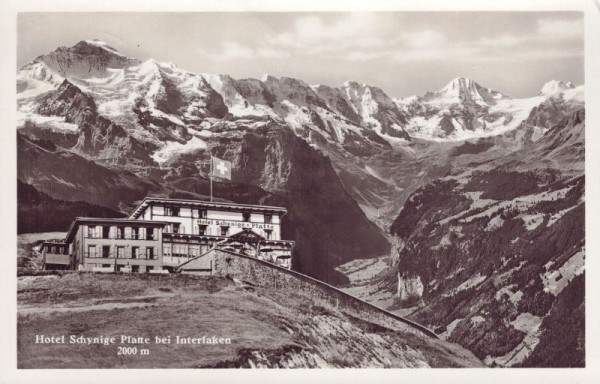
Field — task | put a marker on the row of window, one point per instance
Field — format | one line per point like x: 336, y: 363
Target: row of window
x: 184, y: 250
x: 268, y: 218
x: 202, y: 214
x: 176, y: 211
x: 123, y: 268
x: 105, y: 252
x: 121, y: 232
x: 224, y: 231
x: 57, y: 249
x: 203, y: 230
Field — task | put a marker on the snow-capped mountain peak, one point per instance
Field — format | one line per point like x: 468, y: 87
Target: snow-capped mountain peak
x: 464, y: 109
x: 101, y: 44
x: 555, y: 88
x: 460, y: 83
x: 86, y: 59
x: 160, y: 102
x: 465, y: 90
x: 267, y: 77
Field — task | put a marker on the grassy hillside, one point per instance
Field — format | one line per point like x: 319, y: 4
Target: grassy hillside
x: 267, y: 328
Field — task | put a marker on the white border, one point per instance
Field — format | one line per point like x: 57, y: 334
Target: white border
x: 8, y: 371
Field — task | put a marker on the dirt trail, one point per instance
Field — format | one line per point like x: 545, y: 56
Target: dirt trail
x: 97, y: 305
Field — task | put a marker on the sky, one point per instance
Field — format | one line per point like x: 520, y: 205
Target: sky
x: 403, y: 53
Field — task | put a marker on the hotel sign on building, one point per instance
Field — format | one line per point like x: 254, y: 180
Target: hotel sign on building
x: 235, y: 224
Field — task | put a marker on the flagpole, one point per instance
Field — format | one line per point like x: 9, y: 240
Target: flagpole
x: 211, y: 177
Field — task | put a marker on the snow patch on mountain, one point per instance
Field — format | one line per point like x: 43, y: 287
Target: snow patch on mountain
x: 555, y: 88
x: 557, y: 280
x: 567, y: 91
x: 237, y: 104
x: 576, y: 94
x: 103, y: 45
x: 530, y: 324
x: 173, y: 148
x: 521, y: 203
x: 464, y: 110
x: 37, y: 72
x: 465, y: 90
x: 52, y: 122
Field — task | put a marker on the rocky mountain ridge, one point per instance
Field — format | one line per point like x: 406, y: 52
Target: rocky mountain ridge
x: 164, y: 112
x: 464, y: 110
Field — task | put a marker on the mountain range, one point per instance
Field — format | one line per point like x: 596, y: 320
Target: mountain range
x: 441, y: 182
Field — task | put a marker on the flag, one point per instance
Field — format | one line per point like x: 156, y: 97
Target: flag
x: 221, y: 168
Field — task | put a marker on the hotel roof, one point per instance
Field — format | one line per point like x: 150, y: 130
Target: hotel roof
x: 202, y: 203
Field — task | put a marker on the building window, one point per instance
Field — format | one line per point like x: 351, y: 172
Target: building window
x: 171, y: 211
x: 105, y: 265
x: 106, y: 251
x: 149, y: 268
x: 91, y: 232
x: 175, y: 227
x: 268, y: 234
x: 135, y: 233
x: 150, y: 253
x: 202, y: 229
x: 180, y: 250
x: 91, y: 251
x: 268, y: 219
x: 105, y: 231
x: 202, y: 213
x: 149, y: 234
x: 120, y: 252
x: 120, y: 233
x: 246, y: 216
x: 135, y: 252
x: 224, y: 231
x: 135, y: 268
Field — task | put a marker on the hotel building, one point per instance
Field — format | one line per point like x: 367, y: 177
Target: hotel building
x: 161, y: 234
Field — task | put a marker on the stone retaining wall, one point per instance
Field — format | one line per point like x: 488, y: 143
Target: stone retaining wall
x: 265, y: 274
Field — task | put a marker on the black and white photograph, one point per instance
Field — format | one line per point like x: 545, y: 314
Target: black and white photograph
x: 278, y: 189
